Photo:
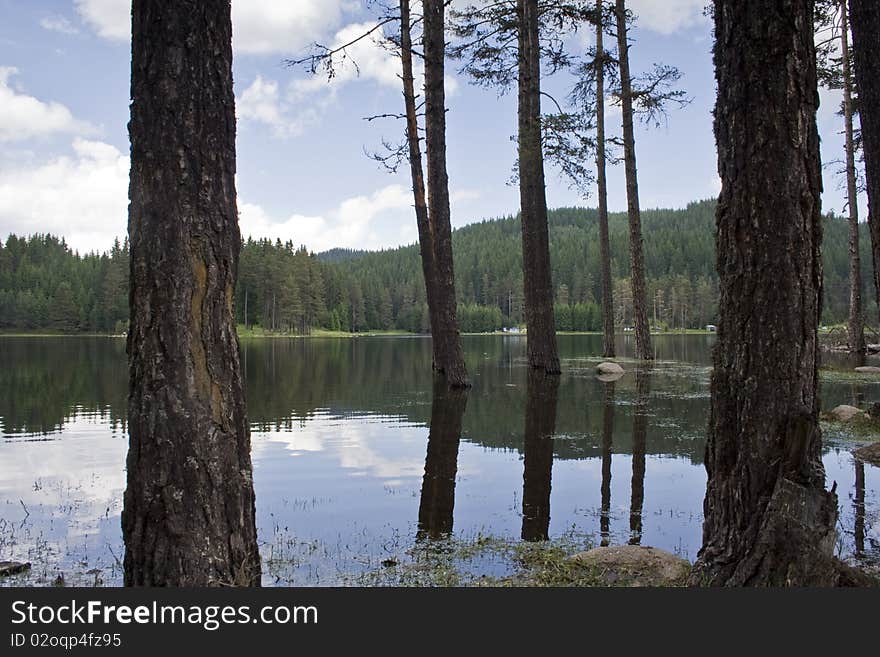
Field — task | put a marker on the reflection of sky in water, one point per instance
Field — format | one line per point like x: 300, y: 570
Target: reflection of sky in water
x: 339, y: 491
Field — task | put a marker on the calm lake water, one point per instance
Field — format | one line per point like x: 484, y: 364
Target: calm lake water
x: 346, y: 476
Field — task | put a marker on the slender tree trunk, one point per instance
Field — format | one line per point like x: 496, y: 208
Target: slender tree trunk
x: 636, y: 246
x: 542, y: 391
x: 640, y: 436
x: 437, y: 500
x: 607, y: 444
x: 188, y: 516
x: 865, y: 24
x: 604, y: 242
x: 537, y: 280
x: 452, y: 357
x: 426, y: 237
x: 856, y: 325
x: 859, y: 508
x: 768, y: 518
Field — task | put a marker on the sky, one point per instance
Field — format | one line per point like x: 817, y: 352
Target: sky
x: 302, y: 171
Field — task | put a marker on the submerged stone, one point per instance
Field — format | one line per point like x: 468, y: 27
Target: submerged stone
x: 608, y: 369
x: 869, y: 454
x: 844, y: 413
x: 634, y: 565
x: 868, y: 369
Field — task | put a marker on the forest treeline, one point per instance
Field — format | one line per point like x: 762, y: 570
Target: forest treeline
x: 285, y: 288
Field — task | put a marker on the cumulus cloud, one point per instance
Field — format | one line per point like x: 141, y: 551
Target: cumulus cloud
x: 83, y: 196
x: 262, y: 103
x: 350, y: 225
x: 23, y: 117
x: 258, y: 26
x: 58, y: 24
x: 668, y: 16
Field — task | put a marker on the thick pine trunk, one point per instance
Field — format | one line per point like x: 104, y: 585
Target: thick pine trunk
x: 188, y: 516
x: 426, y: 237
x: 644, y: 351
x: 601, y: 179
x: 865, y: 23
x: 607, y: 446
x: 768, y: 518
x: 856, y: 324
x: 450, y: 352
x: 537, y: 281
x: 437, y: 501
x: 541, y: 397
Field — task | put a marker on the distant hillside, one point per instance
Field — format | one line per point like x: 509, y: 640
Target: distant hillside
x: 45, y: 286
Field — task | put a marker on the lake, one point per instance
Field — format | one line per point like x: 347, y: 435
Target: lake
x: 348, y: 482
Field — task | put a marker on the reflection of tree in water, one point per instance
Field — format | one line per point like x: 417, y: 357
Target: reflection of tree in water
x: 607, y: 441
x: 541, y: 399
x: 859, y: 507
x: 441, y: 464
x: 640, y: 430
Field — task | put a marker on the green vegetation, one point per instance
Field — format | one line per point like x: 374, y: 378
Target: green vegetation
x: 287, y: 290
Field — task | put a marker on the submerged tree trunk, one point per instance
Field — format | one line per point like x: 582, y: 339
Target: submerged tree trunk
x: 856, y: 324
x: 426, y: 238
x: 542, y: 391
x: 865, y: 25
x: 768, y: 518
x: 601, y: 179
x: 437, y: 500
x: 188, y: 516
x: 450, y: 352
x: 537, y: 281
x: 644, y: 350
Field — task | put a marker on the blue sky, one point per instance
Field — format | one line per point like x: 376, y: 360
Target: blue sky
x: 302, y: 172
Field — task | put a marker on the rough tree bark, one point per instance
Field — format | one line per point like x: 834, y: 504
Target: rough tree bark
x: 856, y: 324
x: 188, y: 516
x: 537, y: 281
x: 451, y: 363
x: 768, y: 518
x: 541, y: 398
x: 601, y: 179
x: 865, y: 24
x: 426, y: 238
x: 437, y: 500
x: 644, y: 350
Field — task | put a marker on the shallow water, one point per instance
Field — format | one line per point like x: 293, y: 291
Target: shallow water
x: 346, y: 476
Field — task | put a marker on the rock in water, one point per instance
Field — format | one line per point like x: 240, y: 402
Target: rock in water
x: 8, y: 568
x: 868, y: 370
x: 845, y: 413
x: 609, y: 369
x: 633, y: 565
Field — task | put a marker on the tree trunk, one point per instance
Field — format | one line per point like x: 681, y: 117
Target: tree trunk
x: 640, y: 435
x: 604, y: 242
x: 541, y: 396
x: 437, y: 500
x: 426, y: 238
x: 537, y: 281
x: 636, y: 246
x: 188, y: 516
x: 607, y: 444
x: 865, y: 24
x: 856, y: 324
x: 450, y: 351
x: 768, y: 519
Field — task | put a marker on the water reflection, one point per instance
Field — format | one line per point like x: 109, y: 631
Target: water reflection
x: 437, y: 501
x: 640, y: 432
x: 542, y: 393
x: 859, y: 508
x: 607, y: 443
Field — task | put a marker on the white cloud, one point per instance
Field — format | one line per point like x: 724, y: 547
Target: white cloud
x: 23, y: 116
x: 83, y: 197
x: 668, y: 16
x: 259, y: 26
x: 350, y: 225
x: 58, y: 24
x: 262, y: 103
